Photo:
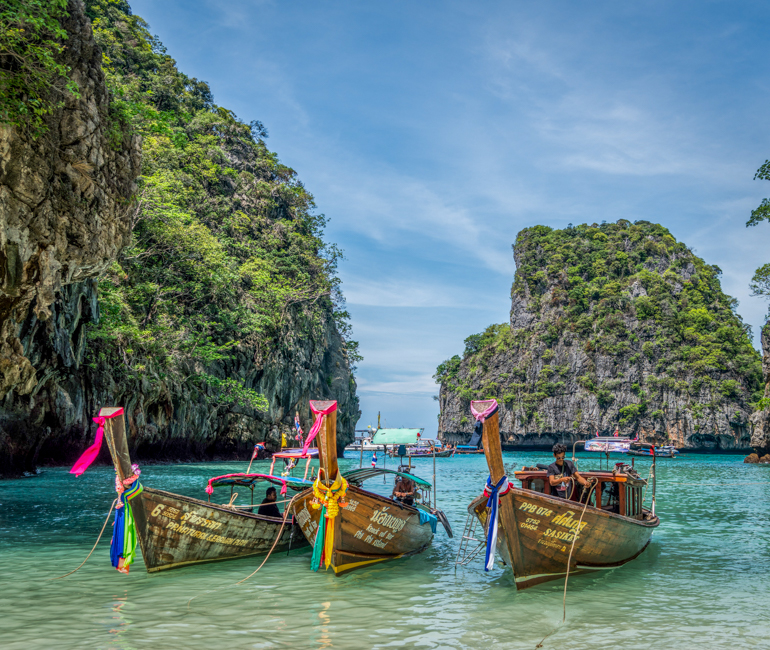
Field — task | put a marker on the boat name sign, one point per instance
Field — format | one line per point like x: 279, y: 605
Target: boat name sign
x: 161, y: 513
x: 552, y: 536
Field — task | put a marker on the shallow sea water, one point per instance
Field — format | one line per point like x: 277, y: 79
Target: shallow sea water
x: 702, y: 583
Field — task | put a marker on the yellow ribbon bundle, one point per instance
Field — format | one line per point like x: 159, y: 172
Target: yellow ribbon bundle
x: 333, y: 498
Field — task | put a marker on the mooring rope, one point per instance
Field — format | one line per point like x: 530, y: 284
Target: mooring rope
x: 95, y: 545
x: 272, y: 548
x: 569, y: 559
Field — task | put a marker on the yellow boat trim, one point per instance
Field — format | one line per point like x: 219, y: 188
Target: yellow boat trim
x: 353, y: 565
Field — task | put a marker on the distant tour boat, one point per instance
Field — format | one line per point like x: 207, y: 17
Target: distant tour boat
x: 664, y: 451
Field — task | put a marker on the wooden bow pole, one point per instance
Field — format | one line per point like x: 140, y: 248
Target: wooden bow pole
x: 327, y: 446
x: 508, y: 530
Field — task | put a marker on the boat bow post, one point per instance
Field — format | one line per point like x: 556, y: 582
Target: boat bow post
x: 494, y: 455
x: 117, y: 443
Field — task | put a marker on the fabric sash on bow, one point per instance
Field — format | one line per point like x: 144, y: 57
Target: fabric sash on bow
x: 331, y: 499
x: 317, y: 425
x: 90, y: 454
x: 481, y: 416
x: 493, y: 492
x: 124, y: 535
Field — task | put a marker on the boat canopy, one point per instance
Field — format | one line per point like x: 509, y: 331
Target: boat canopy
x: 608, y: 444
x: 396, y: 436
x: 296, y: 453
x: 358, y: 476
x: 249, y: 480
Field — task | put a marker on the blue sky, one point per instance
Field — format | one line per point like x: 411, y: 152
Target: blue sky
x: 431, y: 133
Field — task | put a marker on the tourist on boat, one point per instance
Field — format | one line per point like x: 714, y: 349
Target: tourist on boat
x: 268, y: 507
x: 403, y: 491
x: 563, y: 472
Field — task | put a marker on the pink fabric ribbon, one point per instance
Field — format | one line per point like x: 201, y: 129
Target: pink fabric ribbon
x: 481, y: 416
x: 90, y: 454
x: 317, y: 425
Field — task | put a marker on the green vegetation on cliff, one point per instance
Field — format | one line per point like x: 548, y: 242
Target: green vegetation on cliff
x: 227, y: 250
x: 32, y: 80
x: 626, y: 293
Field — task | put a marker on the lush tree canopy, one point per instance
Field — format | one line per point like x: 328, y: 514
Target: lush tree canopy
x: 227, y: 248
x: 32, y: 80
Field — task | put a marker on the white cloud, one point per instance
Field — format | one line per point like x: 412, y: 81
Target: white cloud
x: 403, y: 384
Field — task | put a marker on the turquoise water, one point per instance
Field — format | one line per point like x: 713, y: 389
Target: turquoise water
x: 703, y: 582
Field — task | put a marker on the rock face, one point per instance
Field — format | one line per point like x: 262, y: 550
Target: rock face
x: 65, y: 215
x: 760, y: 420
x: 612, y: 327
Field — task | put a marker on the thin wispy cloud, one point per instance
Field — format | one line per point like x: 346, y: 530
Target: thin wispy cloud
x: 430, y: 136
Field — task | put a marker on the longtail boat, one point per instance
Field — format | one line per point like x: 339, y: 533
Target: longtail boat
x: 350, y: 527
x: 174, y: 530
x: 464, y: 450
x: 533, y: 530
x: 666, y: 451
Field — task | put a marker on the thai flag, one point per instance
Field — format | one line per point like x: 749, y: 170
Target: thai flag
x: 374, y: 459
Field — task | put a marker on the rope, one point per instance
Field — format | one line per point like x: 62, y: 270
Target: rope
x: 574, y: 539
x: 569, y: 560
x: 272, y: 548
x: 95, y: 545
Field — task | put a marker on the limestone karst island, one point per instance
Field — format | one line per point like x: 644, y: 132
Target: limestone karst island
x: 353, y: 325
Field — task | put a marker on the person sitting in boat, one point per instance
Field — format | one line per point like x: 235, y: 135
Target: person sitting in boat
x: 563, y: 472
x: 268, y: 507
x: 611, y: 496
x: 403, y: 490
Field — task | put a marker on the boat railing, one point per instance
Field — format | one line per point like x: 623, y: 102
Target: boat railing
x: 470, y: 545
x: 653, y: 455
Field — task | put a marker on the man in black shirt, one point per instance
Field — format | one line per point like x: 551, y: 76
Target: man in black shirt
x: 268, y: 507
x: 561, y: 472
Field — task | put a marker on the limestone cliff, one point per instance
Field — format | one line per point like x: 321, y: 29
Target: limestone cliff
x: 183, y: 290
x: 64, y: 215
x: 612, y: 326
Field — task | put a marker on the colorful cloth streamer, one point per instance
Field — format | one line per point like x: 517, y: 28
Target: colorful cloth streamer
x: 124, y: 535
x: 318, y: 546
x: 330, y: 500
x: 481, y: 416
x: 317, y: 424
x: 90, y: 454
x: 300, y: 432
x: 493, y: 494
x: 428, y: 518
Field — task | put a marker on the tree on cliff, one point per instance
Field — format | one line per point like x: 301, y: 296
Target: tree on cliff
x: 760, y: 283
x: 227, y: 250
x: 32, y: 78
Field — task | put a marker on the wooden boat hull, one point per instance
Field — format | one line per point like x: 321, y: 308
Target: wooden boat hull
x: 439, y: 454
x: 544, y: 533
x: 446, y: 453
x: 462, y: 452
x: 176, y: 531
x: 362, y: 535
